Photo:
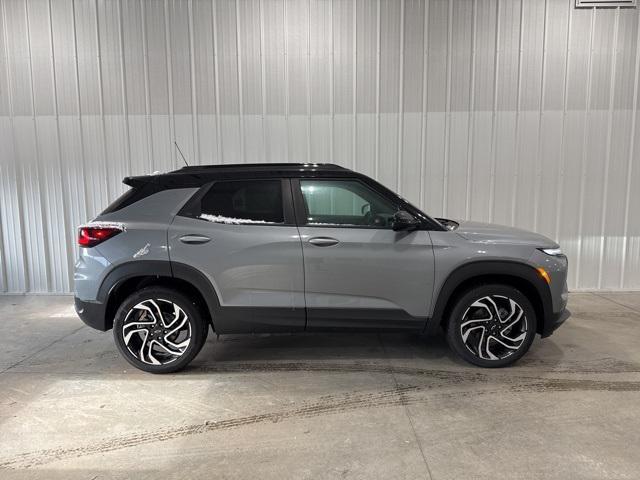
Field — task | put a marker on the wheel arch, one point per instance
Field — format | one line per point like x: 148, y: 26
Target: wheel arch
x: 131, y: 276
x: 520, y: 275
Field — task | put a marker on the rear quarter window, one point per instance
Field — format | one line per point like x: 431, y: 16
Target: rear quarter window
x: 131, y: 196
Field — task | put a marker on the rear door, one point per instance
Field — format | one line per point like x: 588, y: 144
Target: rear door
x: 359, y: 272
x: 241, y: 235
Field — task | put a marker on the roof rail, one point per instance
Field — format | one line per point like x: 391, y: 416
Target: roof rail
x: 248, y: 166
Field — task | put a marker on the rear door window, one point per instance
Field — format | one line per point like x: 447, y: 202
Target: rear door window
x: 243, y: 202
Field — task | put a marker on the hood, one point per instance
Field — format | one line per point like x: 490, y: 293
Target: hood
x: 500, y: 234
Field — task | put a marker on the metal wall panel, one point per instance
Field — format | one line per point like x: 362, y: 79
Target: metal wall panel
x: 518, y: 112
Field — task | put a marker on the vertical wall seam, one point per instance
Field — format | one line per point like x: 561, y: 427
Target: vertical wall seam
x: 447, y: 124
x: 538, y: 160
x: 425, y: 96
x: 400, y: 102
x: 634, y: 114
x: 308, y: 73
x: 147, y: 94
x: 263, y: 79
x: 286, y: 75
x: 173, y: 154
x: 125, y: 106
x: 216, y: 79
x: 516, y: 143
x: 494, y: 133
x: 195, y: 130
x: 354, y: 152
x: 565, y: 95
x: 585, y: 136
x: 79, y: 105
x: 376, y: 159
x: 43, y: 210
x: 105, y: 156
x: 68, y: 281
x: 472, y: 106
x: 607, y: 158
x: 240, y: 92
x: 331, y: 88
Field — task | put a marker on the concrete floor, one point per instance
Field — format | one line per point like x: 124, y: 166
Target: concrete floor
x: 325, y: 406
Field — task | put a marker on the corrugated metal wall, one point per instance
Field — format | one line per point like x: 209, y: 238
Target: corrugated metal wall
x: 518, y: 112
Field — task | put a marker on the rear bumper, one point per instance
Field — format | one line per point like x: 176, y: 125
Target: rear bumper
x: 555, y: 321
x: 91, y: 313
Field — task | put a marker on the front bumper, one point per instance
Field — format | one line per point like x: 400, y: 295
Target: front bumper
x: 91, y: 313
x: 555, y: 321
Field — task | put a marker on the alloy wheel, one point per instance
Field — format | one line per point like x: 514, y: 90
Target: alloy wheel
x: 493, y: 327
x: 156, y: 331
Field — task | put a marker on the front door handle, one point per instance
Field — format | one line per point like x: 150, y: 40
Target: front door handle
x: 194, y: 239
x: 323, y: 241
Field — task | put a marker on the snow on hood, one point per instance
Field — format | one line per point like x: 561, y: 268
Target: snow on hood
x: 231, y: 220
x: 500, y: 234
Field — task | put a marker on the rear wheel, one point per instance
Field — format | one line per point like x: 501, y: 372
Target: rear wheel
x: 491, y: 325
x: 159, y: 330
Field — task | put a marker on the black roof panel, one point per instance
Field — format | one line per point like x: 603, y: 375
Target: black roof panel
x: 197, y: 175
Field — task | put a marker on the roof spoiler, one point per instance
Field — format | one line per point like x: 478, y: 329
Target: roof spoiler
x: 165, y: 180
x: 138, y: 181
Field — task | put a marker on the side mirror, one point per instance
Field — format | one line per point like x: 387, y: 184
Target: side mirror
x: 404, y: 221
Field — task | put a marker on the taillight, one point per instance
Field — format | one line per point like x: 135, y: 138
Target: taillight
x: 92, y: 235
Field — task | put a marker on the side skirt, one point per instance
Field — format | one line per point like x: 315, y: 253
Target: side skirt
x: 233, y: 320
x: 362, y: 318
x: 258, y: 320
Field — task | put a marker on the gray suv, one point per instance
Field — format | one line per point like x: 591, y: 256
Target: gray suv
x: 305, y: 247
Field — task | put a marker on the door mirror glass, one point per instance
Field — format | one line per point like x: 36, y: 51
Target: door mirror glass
x: 404, y: 221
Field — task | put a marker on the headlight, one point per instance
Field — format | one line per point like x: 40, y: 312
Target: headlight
x: 554, y: 252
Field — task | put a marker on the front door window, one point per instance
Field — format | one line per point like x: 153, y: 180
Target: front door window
x: 346, y: 203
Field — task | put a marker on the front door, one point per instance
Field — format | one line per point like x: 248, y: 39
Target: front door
x: 242, y: 236
x: 359, y: 272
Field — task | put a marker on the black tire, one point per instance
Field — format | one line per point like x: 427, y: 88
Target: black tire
x: 479, y: 349
x: 195, y: 328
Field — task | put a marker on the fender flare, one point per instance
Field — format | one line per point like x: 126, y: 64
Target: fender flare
x: 505, y: 268
x: 127, y: 270
x: 158, y: 268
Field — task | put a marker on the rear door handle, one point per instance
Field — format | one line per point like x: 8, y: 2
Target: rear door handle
x: 194, y: 239
x: 323, y: 241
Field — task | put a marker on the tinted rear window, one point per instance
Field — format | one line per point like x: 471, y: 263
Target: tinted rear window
x: 130, y: 197
x: 252, y: 200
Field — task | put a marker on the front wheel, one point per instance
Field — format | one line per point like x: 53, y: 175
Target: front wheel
x: 159, y: 330
x: 491, y: 325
